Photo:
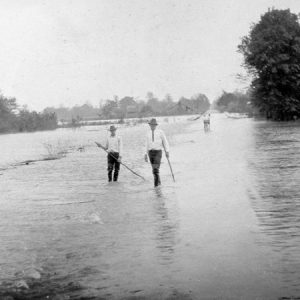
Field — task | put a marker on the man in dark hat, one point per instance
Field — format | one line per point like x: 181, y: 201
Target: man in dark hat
x: 156, y: 141
x: 114, y: 147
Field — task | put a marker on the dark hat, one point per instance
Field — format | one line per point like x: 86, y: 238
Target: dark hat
x: 153, y: 122
x: 112, y: 128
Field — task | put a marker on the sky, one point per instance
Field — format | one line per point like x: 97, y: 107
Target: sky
x: 69, y: 52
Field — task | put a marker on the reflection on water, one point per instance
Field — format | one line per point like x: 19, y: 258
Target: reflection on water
x: 166, y: 226
x: 274, y: 165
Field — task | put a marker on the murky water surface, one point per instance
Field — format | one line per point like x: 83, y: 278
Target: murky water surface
x: 228, y: 228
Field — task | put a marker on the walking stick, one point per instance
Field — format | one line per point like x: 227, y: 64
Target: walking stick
x: 169, y: 162
x: 100, y: 146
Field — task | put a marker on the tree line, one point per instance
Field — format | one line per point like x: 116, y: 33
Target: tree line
x: 16, y: 119
x: 129, y: 107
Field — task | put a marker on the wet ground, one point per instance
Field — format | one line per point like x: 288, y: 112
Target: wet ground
x: 228, y: 228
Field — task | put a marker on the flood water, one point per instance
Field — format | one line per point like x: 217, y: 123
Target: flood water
x: 228, y: 228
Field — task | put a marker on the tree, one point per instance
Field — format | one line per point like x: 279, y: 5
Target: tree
x: 8, y: 108
x: 32, y: 121
x: 154, y: 103
x: 109, y: 109
x: 272, y: 56
x: 63, y: 113
x: 200, y: 103
x: 125, y: 103
x: 235, y: 102
x: 167, y: 105
x: 185, y: 106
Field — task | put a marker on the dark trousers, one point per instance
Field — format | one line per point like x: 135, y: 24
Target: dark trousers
x: 155, y: 158
x: 206, y: 124
x: 113, y: 164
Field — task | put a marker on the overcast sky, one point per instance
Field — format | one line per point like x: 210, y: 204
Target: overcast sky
x: 67, y: 52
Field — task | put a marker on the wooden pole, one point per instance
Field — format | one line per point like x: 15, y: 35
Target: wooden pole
x: 100, y: 146
x: 168, y: 161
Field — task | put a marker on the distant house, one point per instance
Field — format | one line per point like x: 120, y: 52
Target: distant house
x: 132, y: 111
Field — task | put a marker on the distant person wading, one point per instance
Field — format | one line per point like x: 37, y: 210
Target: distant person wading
x: 206, y: 122
x: 114, y: 147
x: 156, y: 141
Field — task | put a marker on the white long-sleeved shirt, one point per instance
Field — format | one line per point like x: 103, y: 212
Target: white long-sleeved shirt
x: 114, y: 144
x: 156, y: 141
x: 206, y: 117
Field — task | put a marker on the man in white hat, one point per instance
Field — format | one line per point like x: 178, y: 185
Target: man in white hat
x: 114, y: 147
x: 156, y: 141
